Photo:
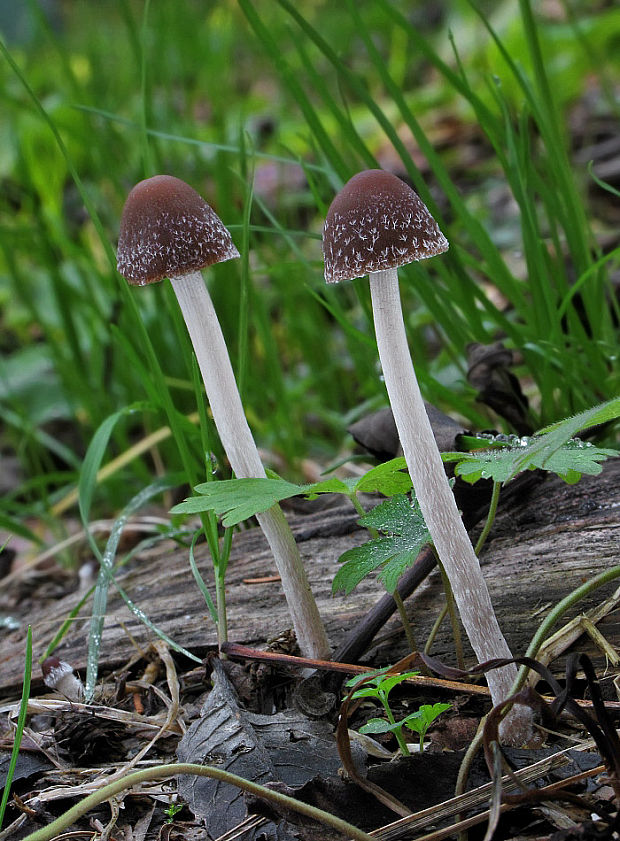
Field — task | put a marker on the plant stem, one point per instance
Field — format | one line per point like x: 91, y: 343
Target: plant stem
x: 360, y: 510
x: 222, y: 616
x: 454, y: 619
x: 436, y: 626
x: 497, y: 486
x: 50, y: 831
x: 398, y: 733
x: 436, y: 499
x: 223, y: 554
x: 400, y: 606
x: 223, y: 396
x: 21, y: 721
x: 555, y: 615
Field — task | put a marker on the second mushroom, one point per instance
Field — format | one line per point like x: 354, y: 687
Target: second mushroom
x: 374, y: 225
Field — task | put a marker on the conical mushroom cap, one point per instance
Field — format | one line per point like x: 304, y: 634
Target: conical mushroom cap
x: 168, y: 230
x: 377, y: 222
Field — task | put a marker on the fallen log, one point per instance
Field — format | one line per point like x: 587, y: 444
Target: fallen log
x: 545, y: 543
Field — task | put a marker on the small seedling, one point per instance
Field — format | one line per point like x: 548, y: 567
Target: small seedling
x: 420, y: 721
x: 379, y: 687
x: 172, y: 810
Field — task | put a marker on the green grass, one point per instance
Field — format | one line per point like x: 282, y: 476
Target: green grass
x: 224, y: 95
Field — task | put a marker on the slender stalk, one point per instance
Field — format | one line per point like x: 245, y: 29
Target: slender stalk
x: 556, y: 614
x: 436, y: 499
x: 398, y: 733
x: 19, y: 730
x: 222, y: 616
x: 404, y: 619
x: 435, y: 629
x: 238, y: 442
x: 497, y: 486
x: 452, y: 613
x: 54, y: 828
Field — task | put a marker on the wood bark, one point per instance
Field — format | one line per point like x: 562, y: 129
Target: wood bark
x: 543, y: 546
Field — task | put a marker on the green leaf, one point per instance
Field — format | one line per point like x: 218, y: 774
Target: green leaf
x: 421, y: 720
x: 388, y: 682
x: 509, y: 455
x: 374, y: 677
x: 603, y: 413
x: 200, y: 580
x: 378, y: 725
x: 329, y: 486
x: 556, y: 436
x: 366, y: 692
x: 94, y: 456
x: 575, y: 458
x: 380, y: 685
x: 13, y: 526
x: 406, y: 534
x: 387, y: 479
x: 236, y: 500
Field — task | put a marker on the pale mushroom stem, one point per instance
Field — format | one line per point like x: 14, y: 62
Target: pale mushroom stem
x: 436, y: 499
x: 223, y: 396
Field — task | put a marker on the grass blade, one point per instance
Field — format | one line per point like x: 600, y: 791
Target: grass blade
x: 106, y: 576
x: 21, y: 721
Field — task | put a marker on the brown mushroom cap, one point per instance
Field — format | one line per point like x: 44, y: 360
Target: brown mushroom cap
x: 168, y: 230
x: 377, y: 222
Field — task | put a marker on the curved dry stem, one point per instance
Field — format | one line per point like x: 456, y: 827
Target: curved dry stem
x: 48, y: 832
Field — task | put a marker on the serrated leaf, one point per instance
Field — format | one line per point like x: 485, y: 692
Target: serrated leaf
x: 421, y: 720
x: 378, y: 725
x: 552, y: 438
x: 388, y: 683
x: 387, y: 479
x: 236, y: 500
x: 554, y: 448
x: 366, y: 692
x: 495, y: 464
x: 574, y: 458
x: 328, y: 486
x: 391, y: 517
x: 570, y: 461
x: 373, y: 677
x: 380, y: 684
x: 406, y: 534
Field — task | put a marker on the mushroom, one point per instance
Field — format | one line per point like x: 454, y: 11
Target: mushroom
x: 168, y: 230
x: 375, y: 224
x: 59, y: 675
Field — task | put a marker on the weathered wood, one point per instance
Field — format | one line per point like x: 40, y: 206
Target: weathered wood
x: 162, y: 585
x: 542, y: 548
